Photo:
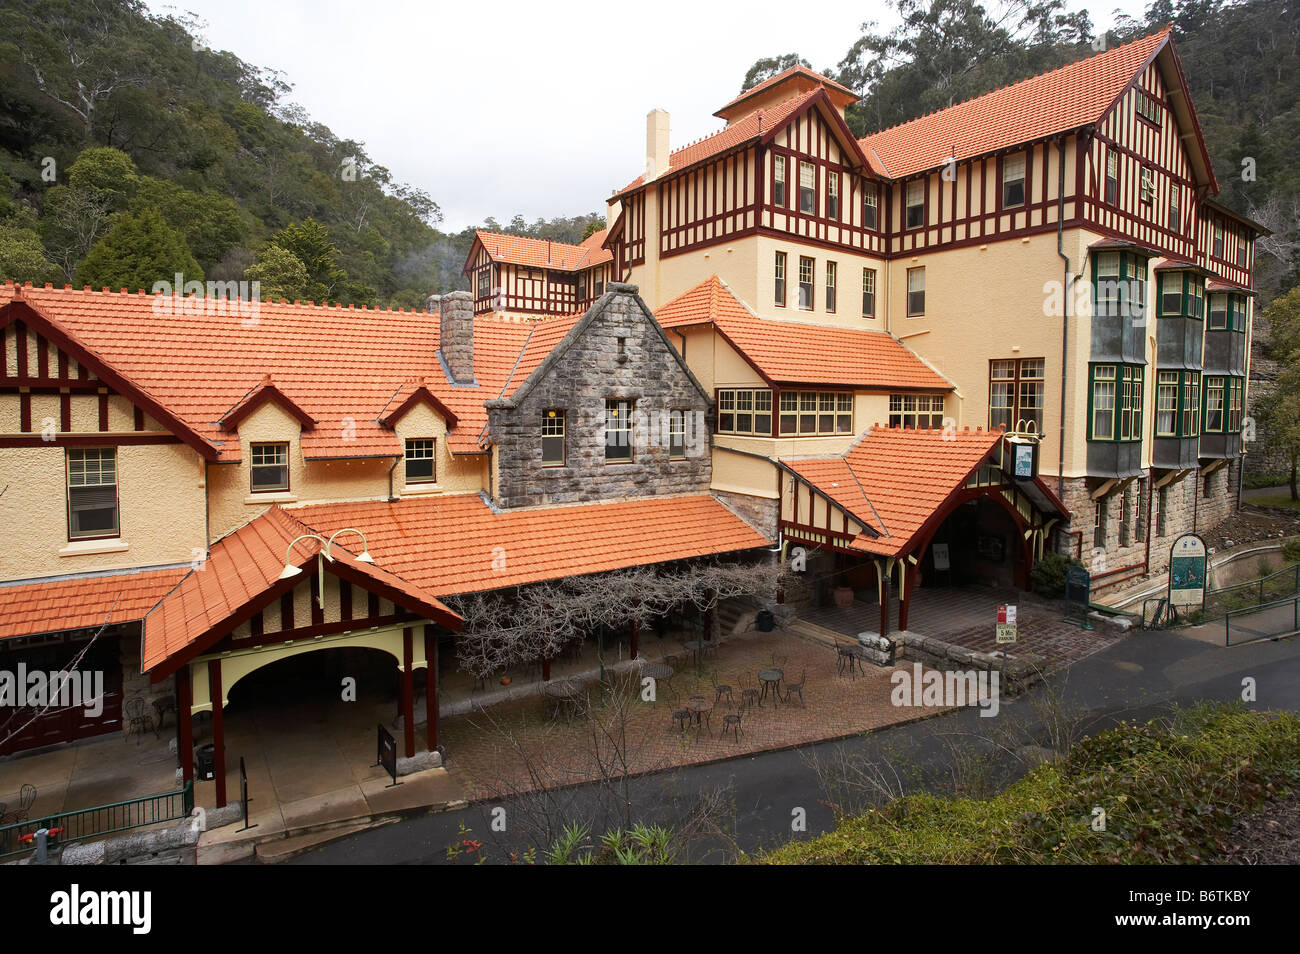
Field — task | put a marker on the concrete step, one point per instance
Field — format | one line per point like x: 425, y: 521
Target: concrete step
x: 735, y: 616
x: 282, y: 849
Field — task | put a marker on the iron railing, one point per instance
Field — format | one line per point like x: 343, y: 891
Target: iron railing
x: 87, y: 823
x: 1271, y: 621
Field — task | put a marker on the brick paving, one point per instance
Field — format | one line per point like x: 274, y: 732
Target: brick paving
x: 517, y: 746
x: 966, y: 615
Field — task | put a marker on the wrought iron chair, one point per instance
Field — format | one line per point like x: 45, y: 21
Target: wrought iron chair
x: 796, y: 688
x: 26, y: 799
x: 749, y: 692
x: 681, y: 719
x: 720, y: 689
x: 731, y: 721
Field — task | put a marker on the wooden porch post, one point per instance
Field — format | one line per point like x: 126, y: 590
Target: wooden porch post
x: 408, y: 689
x: 431, y: 687
x: 883, y: 574
x: 184, y: 722
x: 218, y: 730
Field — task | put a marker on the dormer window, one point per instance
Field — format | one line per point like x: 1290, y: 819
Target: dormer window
x: 421, y: 465
x: 269, y: 467
x: 1013, y: 181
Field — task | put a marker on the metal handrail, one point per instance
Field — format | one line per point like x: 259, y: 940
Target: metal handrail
x: 101, y: 820
x: 1293, y: 601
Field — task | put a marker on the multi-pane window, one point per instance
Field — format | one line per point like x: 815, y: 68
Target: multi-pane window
x: 1148, y: 185
x: 270, y: 467
x: 921, y: 411
x: 1103, y: 402
x: 1013, y: 181
x: 916, y: 291
x: 1178, y: 403
x: 421, y: 466
x: 870, y: 207
x: 1218, y: 313
x: 484, y: 282
x: 1099, y: 520
x: 915, y: 203
x: 868, y: 293
x: 1237, y: 308
x: 553, y: 450
x: 780, y: 280
x: 1161, y: 503
x: 832, y: 276
x: 1175, y: 213
x: 1195, y: 297
x: 1241, y: 251
x: 1112, y: 177
x: 1215, y: 389
x: 1106, y: 291
x: 677, y: 435
x: 745, y: 411
x: 1016, y: 393
x: 1218, y: 240
x: 1182, y: 293
x: 832, y: 195
x: 805, y: 283
x: 778, y: 175
x: 92, y: 493
x: 1116, y: 402
x: 618, y: 431
x: 1236, y: 399
x: 807, y: 188
x: 1148, y: 108
x: 816, y: 412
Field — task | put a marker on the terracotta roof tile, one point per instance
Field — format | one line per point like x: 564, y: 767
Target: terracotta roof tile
x: 796, y: 353
x: 1043, y: 105
x: 30, y: 608
x: 543, y: 253
x: 895, y: 479
x: 341, y: 366
x: 785, y: 75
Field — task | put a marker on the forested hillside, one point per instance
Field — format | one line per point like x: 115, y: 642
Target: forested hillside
x: 129, y: 152
x: 1241, y: 57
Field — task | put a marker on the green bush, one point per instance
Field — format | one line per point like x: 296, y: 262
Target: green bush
x: 1170, y: 791
x: 1048, y: 574
x: 1291, y: 551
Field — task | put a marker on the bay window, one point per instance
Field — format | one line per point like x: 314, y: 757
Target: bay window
x: 816, y: 412
x: 1115, y: 396
x: 745, y: 411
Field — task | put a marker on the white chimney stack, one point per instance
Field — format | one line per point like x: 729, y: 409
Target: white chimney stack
x: 656, y: 144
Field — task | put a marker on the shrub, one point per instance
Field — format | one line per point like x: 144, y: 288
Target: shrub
x: 1048, y: 574
x: 1291, y: 550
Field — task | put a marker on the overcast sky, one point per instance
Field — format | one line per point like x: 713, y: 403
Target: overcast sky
x: 537, y: 108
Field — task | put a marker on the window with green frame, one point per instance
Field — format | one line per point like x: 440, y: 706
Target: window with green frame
x: 1178, y: 395
x: 1115, y: 402
x: 1222, y: 398
x: 1182, y: 294
x: 1237, y: 312
x: 1227, y: 312
x: 1119, y: 281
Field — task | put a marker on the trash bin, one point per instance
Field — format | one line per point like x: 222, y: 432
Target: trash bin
x: 765, y: 621
x: 206, y: 757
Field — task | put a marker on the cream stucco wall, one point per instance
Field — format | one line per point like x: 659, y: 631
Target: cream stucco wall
x: 660, y: 281
x: 160, y: 512
x: 316, y: 481
x: 986, y: 302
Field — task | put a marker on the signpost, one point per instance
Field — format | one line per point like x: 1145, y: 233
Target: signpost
x: 1006, y: 628
x: 1078, y: 594
x: 388, y: 755
x: 1187, y: 572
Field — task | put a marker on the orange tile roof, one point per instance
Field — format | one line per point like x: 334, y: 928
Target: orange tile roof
x: 895, y: 479
x: 341, y: 366
x: 243, y: 566
x: 796, y: 353
x: 1063, y: 99
x: 543, y: 253
x: 28, y: 609
x: 757, y: 124
x: 457, y: 544
x: 803, y: 72
x: 543, y: 337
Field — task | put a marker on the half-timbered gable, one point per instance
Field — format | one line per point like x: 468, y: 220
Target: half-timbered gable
x: 524, y: 276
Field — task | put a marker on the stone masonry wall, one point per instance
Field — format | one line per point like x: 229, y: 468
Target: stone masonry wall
x: 1194, y: 504
x: 620, y: 354
x: 759, y: 512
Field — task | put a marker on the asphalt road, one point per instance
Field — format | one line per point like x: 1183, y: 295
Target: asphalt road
x: 763, y: 795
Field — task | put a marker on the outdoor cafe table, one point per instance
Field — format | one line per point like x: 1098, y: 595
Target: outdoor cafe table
x: 771, y: 680
x: 700, y: 706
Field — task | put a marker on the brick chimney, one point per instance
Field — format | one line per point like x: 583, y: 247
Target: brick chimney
x: 656, y: 144
x: 456, y: 336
